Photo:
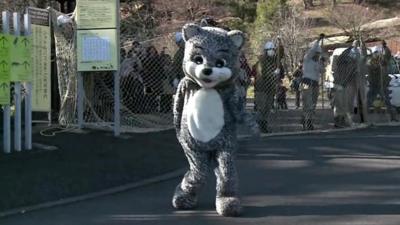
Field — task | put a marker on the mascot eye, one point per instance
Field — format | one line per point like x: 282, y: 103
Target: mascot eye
x: 198, y: 59
x: 220, y: 63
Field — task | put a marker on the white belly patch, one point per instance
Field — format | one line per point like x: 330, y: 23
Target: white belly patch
x: 205, y: 114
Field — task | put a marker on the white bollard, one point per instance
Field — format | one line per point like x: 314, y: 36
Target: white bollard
x: 28, y: 96
x: 6, y: 109
x: 17, y: 94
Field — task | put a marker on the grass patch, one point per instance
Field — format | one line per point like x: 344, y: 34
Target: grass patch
x: 84, y: 163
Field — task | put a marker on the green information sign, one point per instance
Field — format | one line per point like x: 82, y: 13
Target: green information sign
x: 4, y: 92
x: 21, y: 59
x: 5, y: 63
x: 97, y: 50
x: 93, y: 14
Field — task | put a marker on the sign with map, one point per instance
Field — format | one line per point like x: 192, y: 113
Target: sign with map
x: 97, y: 50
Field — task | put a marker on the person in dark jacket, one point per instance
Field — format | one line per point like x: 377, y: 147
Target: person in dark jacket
x: 296, y: 80
x: 281, y: 95
x: 178, y: 58
x: 379, y: 79
x: 312, y: 70
x: 270, y: 71
x: 350, y: 84
x: 153, y: 76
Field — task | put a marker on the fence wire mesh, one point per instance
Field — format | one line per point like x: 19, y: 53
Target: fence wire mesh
x: 365, y: 85
x: 151, y: 70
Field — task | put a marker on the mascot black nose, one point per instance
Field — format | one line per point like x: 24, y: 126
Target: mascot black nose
x: 207, y: 71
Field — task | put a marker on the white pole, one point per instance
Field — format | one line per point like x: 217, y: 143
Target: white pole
x: 6, y: 108
x: 80, y: 100
x: 49, y: 117
x: 28, y: 97
x: 17, y: 95
x: 117, y: 102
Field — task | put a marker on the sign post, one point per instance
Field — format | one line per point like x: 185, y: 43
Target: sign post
x: 98, y: 47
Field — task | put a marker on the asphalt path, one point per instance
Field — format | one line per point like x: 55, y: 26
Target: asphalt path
x: 336, y: 178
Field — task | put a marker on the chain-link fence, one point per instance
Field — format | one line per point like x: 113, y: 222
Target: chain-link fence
x: 278, y: 98
x: 365, y: 85
x: 339, y: 93
x: 148, y: 80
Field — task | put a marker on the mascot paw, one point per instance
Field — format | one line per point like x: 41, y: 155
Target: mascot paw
x: 228, y: 206
x: 183, y: 200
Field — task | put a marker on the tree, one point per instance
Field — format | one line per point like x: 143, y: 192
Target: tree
x: 292, y: 33
x: 308, y: 4
x: 351, y: 18
x: 269, y: 13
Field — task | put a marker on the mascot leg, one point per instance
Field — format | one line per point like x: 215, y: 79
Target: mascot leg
x: 227, y: 200
x: 185, y: 196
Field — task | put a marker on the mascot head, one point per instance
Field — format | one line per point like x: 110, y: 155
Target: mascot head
x: 211, y: 54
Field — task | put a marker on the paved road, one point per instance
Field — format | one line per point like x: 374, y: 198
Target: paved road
x: 327, y: 179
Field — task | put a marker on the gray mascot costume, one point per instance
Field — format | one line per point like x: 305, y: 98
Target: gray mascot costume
x: 207, y: 108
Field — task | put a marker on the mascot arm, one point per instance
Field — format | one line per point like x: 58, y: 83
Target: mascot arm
x: 237, y: 105
x: 179, y: 102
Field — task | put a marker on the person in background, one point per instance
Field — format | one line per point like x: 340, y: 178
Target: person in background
x: 269, y: 71
x: 296, y: 80
x: 131, y: 71
x: 168, y: 87
x: 178, y: 59
x: 312, y: 69
x: 281, y: 96
x: 379, y: 79
x: 153, y: 76
x: 350, y: 83
x: 244, y: 78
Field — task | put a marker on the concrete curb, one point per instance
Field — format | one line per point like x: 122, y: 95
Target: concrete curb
x: 332, y: 130
x: 126, y: 187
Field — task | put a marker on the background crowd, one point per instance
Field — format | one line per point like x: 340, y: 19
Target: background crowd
x: 360, y: 76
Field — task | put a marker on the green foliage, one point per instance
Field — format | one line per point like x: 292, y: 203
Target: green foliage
x: 268, y: 13
x: 244, y: 9
x: 138, y: 19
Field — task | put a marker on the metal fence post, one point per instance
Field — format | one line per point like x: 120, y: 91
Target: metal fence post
x: 28, y: 96
x: 17, y: 94
x: 117, y: 100
x: 80, y: 100
x: 6, y: 108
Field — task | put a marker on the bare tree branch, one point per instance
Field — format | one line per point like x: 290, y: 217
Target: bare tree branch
x: 351, y: 18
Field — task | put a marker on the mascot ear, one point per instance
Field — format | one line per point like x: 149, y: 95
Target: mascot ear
x: 237, y: 38
x: 190, y: 30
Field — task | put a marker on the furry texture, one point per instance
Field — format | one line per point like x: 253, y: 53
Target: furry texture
x: 207, y: 109
x: 228, y: 206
